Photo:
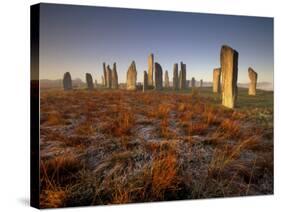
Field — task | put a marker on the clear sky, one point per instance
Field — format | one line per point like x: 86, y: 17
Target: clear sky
x: 79, y: 39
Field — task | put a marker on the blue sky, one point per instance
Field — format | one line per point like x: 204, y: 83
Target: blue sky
x: 79, y: 39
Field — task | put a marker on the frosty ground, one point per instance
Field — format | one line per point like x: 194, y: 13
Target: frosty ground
x: 115, y: 146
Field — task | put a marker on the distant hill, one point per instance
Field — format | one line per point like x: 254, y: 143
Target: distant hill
x: 267, y: 86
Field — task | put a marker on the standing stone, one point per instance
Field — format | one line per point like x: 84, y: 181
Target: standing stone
x: 229, y: 72
x: 216, y: 80
x: 114, y: 77
x: 167, y: 85
x: 201, y: 83
x: 187, y: 83
x: 96, y: 83
x: 145, y: 81
x: 158, y: 77
x: 150, y: 69
x: 253, y: 76
x: 182, y: 77
x: 108, y: 76
x: 67, y: 82
x: 102, y: 80
x: 175, y: 77
x: 193, y: 82
x: 89, y: 81
x: 104, y: 74
x: 132, y: 77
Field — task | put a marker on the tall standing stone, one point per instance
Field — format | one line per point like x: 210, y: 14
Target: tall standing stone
x: 102, y: 80
x: 158, y: 76
x: 175, y: 77
x: 108, y: 76
x: 229, y: 72
x: 217, y: 80
x: 253, y: 76
x: 182, y: 77
x: 104, y: 74
x: 193, y: 82
x: 114, y: 77
x: 96, y: 83
x: 67, y: 82
x: 150, y: 69
x: 167, y: 84
x: 145, y: 81
x: 201, y: 83
x: 89, y: 81
x: 132, y: 77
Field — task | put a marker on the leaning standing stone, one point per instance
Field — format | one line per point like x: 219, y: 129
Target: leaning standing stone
x: 229, y: 71
x: 145, y: 81
x: 166, y: 79
x: 253, y: 76
x: 89, y: 81
x: 216, y: 80
x: 132, y: 77
x: 67, y: 82
x: 158, y: 76
x: 175, y: 77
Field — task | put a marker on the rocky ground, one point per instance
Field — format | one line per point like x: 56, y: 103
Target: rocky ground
x: 110, y: 147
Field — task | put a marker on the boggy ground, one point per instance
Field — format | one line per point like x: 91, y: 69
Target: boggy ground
x: 110, y: 147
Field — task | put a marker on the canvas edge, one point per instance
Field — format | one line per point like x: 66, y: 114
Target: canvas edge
x: 34, y: 106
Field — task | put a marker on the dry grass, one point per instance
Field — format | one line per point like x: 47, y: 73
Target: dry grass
x: 58, y: 171
x: 86, y: 128
x: 52, y: 198
x: 164, y: 175
x: 113, y: 147
x: 123, y: 123
x: 54, y: 118
x: 230, y: 128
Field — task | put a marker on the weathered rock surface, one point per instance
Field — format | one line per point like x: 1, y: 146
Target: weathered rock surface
x: 102, y: 81
x: 167, y: 84
x: 217, y: 80
x: 114, y: 83
x: 158, y: 76
x: 253, y: 76
x: 145, y: 81
x: 182, y: 76
x: 193, y: 82
x: 67, y: 82
x: 187, y: 83
x: 229, y: 72
x: 89, y: 81
x: 108, y: 76
x: 175, y: 77
x: 150, y: 69
x: 132, y: 77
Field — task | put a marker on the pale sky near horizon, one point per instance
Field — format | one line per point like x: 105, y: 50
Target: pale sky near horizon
x: 79, y: 39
